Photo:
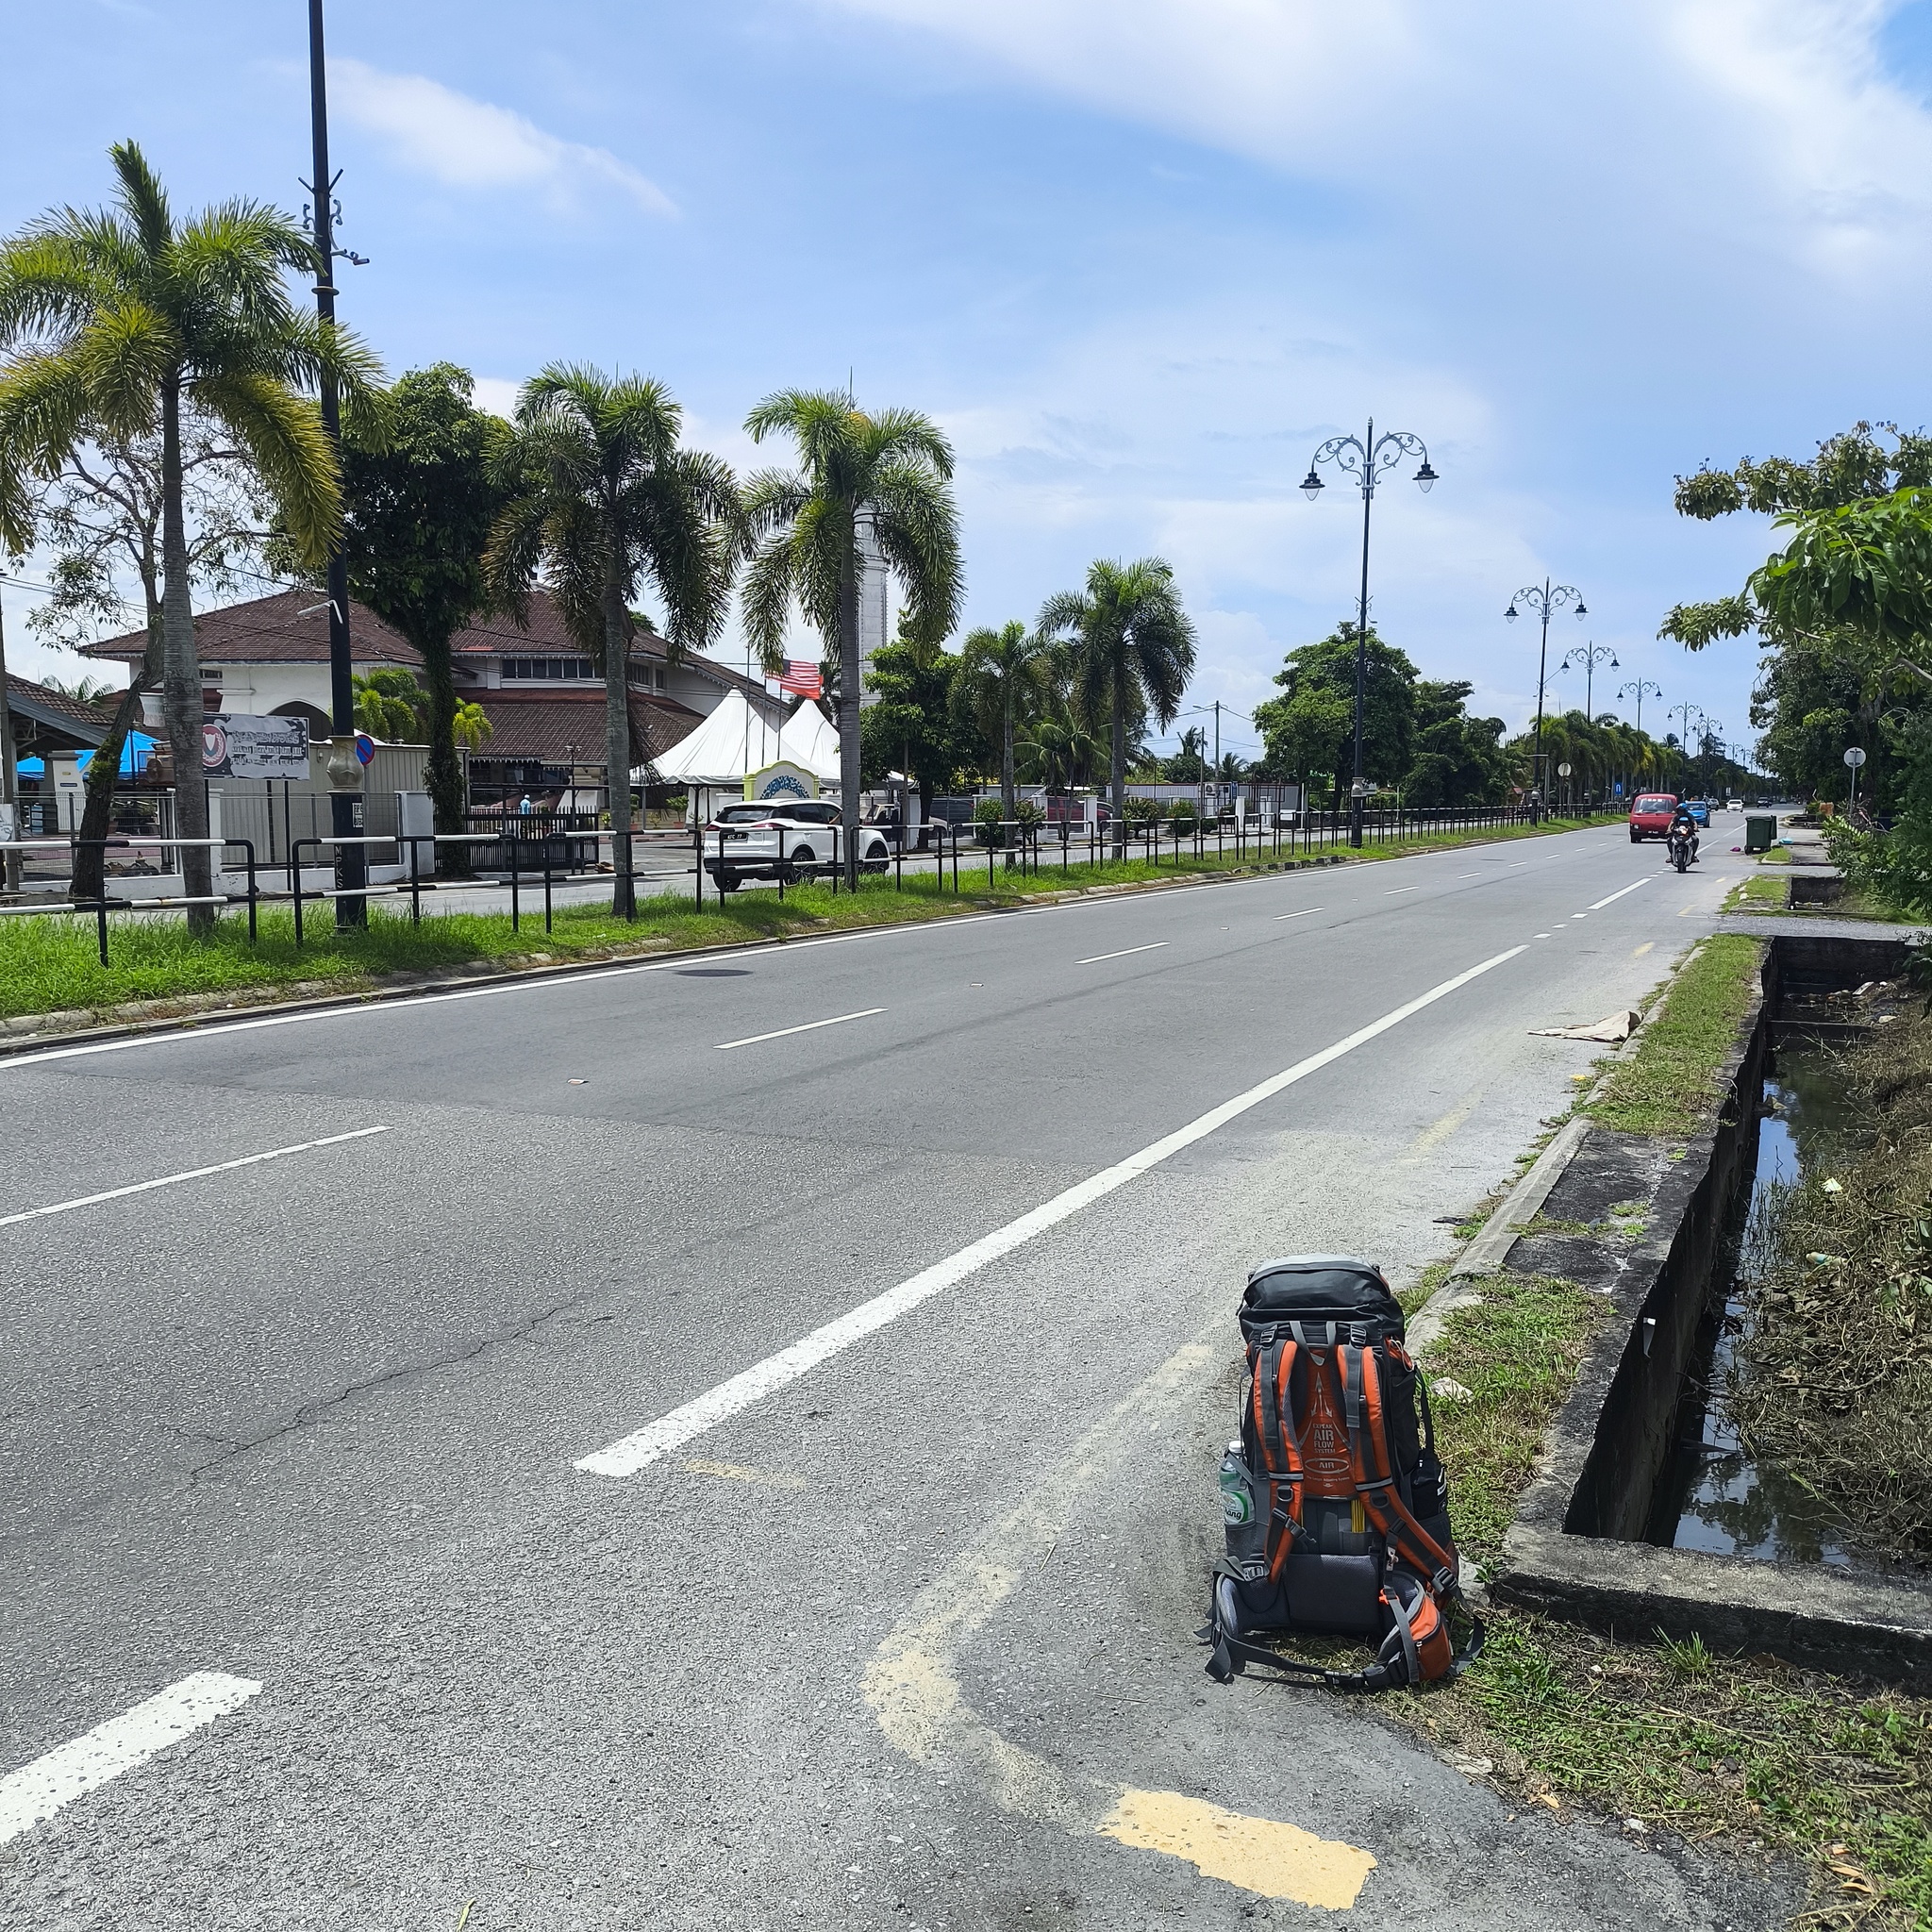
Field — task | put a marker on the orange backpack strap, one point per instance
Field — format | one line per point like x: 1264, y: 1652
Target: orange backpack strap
x: 1281, y: 1449
x: 1375, y: 1482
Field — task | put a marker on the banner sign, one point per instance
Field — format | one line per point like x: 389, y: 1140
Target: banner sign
x: 234, y: 745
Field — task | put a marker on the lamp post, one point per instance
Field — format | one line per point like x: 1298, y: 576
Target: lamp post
x: 1543, y: 598
x: 1710, y: 732
x: 1368, y: 459
x: 1683, y: 713
x: 345, y: 768
x: 1589, y: 657
x: 1637, y: 691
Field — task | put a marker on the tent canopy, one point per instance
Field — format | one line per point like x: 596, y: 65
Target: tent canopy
x: 734, y: 741
x: 135, y: 748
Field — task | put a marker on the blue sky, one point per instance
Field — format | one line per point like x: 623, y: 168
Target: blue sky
x: 1139, y: 256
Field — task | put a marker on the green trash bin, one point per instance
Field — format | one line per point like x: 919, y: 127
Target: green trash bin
x: 1761, y: 833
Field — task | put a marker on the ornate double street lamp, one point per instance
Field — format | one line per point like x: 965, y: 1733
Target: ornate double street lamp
x: 1638, y: 689
x: 1542, y: 599
x: 1589, y: 657
x: 1368, y: 459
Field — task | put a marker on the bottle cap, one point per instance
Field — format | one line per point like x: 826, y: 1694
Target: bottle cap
x: 1234, y: 1448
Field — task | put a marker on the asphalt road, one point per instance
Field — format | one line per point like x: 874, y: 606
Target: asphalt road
x: 895, y: 1630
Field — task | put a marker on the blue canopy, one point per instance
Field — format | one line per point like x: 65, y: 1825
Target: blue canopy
x: 134, y: 756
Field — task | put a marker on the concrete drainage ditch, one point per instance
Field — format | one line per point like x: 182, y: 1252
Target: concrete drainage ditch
x: 1651, y: 1223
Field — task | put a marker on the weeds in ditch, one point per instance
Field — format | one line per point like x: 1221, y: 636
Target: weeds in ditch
x: 1833, y: 1380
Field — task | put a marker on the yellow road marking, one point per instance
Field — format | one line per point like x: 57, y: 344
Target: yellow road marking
x: 915, y: 1694
x: 1260, y: 1854
x: 1644, y: 949
x: 1432, y: 1138
x: 739, y: 1472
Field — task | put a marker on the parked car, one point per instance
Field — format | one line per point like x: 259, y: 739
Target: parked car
x: 788, y: 838
x: 1651, y: 813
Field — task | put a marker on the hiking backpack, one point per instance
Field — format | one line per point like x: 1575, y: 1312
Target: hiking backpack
x: 1334, y: 1501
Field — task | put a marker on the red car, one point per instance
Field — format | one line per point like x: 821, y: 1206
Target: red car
x: 1651, y: 814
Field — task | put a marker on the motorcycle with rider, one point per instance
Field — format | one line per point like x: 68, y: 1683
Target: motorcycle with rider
x: 1681, y: 841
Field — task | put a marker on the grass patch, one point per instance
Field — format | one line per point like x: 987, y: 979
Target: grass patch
x: 1756, y: 894
x: 51, y: 964
x: 1669, y: 1734
x: 1517, y: 1352
x: 1669, y: 1086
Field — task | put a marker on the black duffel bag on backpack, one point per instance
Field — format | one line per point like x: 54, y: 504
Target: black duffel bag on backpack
x: 1336, y: 1510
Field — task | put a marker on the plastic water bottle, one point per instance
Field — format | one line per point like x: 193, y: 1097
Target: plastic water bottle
x: 1236, y: 1491
x: 1247, y: 1533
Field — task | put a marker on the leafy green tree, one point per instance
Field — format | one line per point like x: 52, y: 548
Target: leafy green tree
x: 390, y: 705
x: 1189, y: 764
x: 887, y: 476
x: 123, y: 324
x: 1133, y: 648
x: 915, y: 727
x: 600, y: 496
x: 419, y: 502
x: 1002, y: 679
x: 1457, y: 759
x: 1326, y: 671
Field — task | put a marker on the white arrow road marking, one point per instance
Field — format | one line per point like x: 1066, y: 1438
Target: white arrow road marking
x: 194, y: 1174
x: 705, y: 1411
x: 32, y: 1795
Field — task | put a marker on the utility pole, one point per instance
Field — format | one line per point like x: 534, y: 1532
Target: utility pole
x: 345, y: 768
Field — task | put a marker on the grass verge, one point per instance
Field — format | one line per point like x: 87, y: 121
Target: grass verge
x: 51, y: 964
x: 1671, y: 1736
x: 1669, y: 1086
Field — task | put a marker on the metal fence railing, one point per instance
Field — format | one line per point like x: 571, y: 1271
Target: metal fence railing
x: 537, y: 856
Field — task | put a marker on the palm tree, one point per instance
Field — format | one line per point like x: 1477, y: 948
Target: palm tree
x: 1134, y: 651
x: 882, y: 478
x: 1001, y: 672
x: 601, y: 497
x: 120, y: 321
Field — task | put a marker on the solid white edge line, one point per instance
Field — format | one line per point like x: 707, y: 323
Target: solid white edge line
x: 1126, y: 952
x: 194, y: 1174
x: 32, y: 1795
x: 1602, y: 903
x: 695, y: 1418
x: 809, y: 1027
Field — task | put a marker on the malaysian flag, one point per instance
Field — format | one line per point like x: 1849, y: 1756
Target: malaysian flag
x: 801, y: 676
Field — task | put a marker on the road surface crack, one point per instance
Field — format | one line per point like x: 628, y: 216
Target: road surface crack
x: 524, y: 1329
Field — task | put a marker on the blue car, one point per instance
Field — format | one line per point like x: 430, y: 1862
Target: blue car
x: 1699, y: 810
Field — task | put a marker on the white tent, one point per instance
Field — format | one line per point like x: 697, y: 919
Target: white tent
x: 734, y: 742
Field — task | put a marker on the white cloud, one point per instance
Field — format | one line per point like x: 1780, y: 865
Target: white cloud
x: 471, y: 143
x: 496, y: 393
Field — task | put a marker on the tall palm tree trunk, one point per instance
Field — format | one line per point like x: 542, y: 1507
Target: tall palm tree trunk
x: 181, y: 675
x: 624, y: 896
x: 444, y: 776
x: 850, y: 675
x: 1119, y: 773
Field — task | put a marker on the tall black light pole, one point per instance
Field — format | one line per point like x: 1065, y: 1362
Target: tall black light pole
x: 1682, y: 713
x: 1544, y: 599
x: 1369, y: 460
x: 345, y: 768
x: 1589, y: 657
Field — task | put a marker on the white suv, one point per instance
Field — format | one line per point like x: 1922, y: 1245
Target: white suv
x: 788, y: 838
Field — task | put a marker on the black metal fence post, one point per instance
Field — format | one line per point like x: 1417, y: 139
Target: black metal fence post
x: 514, y: 909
